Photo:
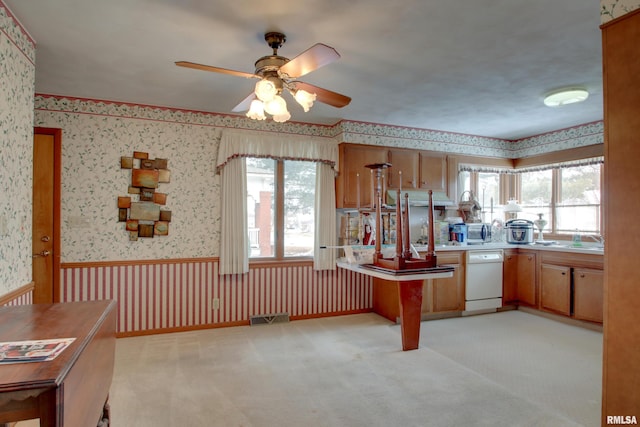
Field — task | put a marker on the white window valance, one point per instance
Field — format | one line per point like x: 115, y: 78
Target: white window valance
x: 238, y: 143
x: 566, y: 164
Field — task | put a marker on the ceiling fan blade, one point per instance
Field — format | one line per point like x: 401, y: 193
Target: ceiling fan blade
x: 245, y: 103
x: 311, y: 59
x: 215, y: 69
x: 326, y: 96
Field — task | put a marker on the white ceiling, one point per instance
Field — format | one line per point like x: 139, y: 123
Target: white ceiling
x: 478, y: 67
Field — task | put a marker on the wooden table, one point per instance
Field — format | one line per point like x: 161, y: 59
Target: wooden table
x: 409, y: 296
x: 72, y: 389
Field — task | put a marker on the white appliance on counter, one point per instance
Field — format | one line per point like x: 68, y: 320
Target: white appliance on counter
x: 483, y: 281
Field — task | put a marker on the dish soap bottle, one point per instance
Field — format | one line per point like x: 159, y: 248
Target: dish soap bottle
x: 577, y: 239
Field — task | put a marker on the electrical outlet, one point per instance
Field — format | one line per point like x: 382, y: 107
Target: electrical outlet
x: 215, y: 303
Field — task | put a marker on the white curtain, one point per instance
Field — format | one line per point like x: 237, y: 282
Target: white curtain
x: 235, y: 146
x: 234, y: 241
x: 325, y: 218
x: 240, y: 143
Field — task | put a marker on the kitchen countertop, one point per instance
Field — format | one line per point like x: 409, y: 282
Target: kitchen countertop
x: 586, y: 248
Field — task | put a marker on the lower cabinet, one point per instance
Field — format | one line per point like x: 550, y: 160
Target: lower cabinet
x: 588, y: 291
x: 555, y: 288
x: 519, y: 277
x: 442, y: 295
x: 438, y: 295
x: 570, y: 287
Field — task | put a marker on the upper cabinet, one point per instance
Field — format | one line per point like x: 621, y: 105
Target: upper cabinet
x: 404, y: 169
x: 433, y: 171
x: 419, y: 170
x: 354, y: 179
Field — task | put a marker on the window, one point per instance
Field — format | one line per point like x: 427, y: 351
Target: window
x: 568, y: 197
x: 280, y: 202
x: 578, y: 203
x: 536, y: 195
x: 486, y: 188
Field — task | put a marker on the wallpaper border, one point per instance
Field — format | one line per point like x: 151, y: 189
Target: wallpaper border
x: 343, y: 131
x: 15, y: 31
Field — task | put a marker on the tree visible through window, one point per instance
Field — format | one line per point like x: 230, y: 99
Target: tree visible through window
x: 280, y: 207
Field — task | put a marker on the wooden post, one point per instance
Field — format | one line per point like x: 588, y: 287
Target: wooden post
x: 410, y: 296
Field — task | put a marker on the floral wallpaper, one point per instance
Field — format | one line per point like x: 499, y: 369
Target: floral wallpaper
x: 93, y: 142
x: 17, y: 81
x: 97, y: 133
x: 611, y: 9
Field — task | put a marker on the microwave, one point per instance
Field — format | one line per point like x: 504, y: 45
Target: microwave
x: 478, y: 233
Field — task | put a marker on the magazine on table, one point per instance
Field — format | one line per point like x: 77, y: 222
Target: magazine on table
x: 32, y: 350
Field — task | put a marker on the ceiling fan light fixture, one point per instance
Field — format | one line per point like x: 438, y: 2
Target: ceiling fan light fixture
x: 256, y: 110
x: 565, y: 96
x: 265, y: 90
x: 305, y: 99
x: 281, y: 118
x: 276, y: 107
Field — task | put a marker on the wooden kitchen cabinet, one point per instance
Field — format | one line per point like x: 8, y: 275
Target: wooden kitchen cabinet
x: 519, y: 278
x: 588, y: 290
x: 407, y: 162
x: 420, y: 170
x: 445, y: 295
x: 438, y: 295
x: 353, y: 158
x: 433, y: 171
x: 555, y: 288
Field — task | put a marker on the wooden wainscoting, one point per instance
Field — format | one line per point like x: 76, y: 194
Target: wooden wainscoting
x: 21, y: 296
x: 172, y: 295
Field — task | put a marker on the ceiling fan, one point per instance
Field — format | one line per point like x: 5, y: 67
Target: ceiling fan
x: 277, y: 73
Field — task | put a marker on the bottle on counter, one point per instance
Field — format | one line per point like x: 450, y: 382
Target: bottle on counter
x: 577, y: 239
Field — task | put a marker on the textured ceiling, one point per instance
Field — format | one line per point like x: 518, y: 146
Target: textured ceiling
x: 478, y: 67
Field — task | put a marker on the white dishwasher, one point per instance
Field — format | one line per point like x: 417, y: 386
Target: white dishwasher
x: 483, y: 280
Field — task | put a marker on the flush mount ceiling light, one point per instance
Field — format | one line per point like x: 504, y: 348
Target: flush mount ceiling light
x: 565, y: 96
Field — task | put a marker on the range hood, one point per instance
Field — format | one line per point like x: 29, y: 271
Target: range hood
x: 419, y: 198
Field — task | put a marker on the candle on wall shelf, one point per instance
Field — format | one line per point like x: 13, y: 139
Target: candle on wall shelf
x: 373, y: 193
x: 384, y: 190
x: 358, y: 191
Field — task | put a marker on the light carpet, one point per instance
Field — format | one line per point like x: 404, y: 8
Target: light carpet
x: 504, y: 369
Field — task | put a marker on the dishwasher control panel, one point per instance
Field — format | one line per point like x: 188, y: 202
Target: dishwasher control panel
x: 476, y: 257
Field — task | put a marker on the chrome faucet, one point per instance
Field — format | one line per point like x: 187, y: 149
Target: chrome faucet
x: 598, y: 239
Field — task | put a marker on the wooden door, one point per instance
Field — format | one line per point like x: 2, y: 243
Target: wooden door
x: 355, y: 181
x: 433, y: 172
x: 448, y: 294
x: 45, y: 215
x: 510, y: 278
x: 555, y: 282
x: 403, y: 172
x: 588, y: 293
x: 526, y: 287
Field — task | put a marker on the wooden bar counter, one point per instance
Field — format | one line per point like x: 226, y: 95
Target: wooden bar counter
x: 72, y: 389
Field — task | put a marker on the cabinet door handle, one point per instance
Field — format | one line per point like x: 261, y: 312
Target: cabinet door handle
x: 529, y: 257
x: 564, y: 273
x: 509, y: 258
x: 582, y: 275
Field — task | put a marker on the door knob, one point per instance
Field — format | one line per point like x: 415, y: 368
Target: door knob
x: 42, y: 254
x: 45, y: 238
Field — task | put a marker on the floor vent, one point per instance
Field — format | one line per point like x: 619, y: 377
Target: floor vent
x: 267, y: 319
